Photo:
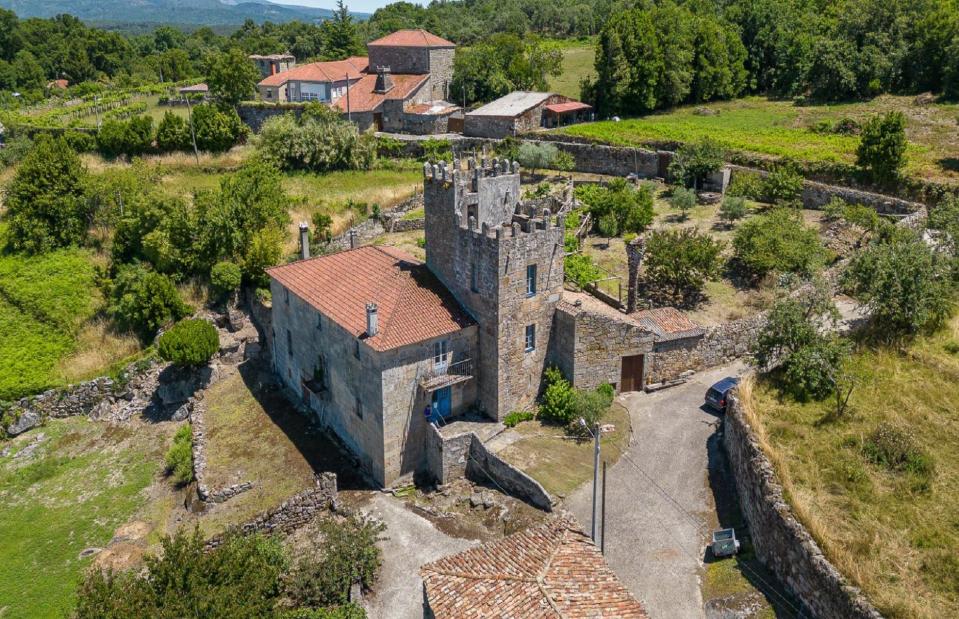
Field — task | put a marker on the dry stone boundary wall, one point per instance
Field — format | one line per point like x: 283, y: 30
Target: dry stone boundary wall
x: 781, y: 542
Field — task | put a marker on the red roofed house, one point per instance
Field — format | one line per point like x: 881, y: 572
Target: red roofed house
x: 552, y: 571
x: 379, y: 345
x: 386, y: 90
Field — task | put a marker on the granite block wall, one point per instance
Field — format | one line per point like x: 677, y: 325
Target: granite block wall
x: 781, y: 542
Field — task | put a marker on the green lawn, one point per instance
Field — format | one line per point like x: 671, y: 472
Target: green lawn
x: 84, y: 480
x: 578, y: 59
x: 782, y: 129
x: 893, y: 536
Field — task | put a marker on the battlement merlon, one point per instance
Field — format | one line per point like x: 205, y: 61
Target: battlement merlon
x: 488, y: 191
x: 444, y: 172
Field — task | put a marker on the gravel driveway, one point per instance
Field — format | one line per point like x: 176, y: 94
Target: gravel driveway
x: 653, y: 546
x: 412, y: 541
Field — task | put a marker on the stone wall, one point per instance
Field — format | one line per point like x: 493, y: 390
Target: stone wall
x: 464, y: 455
x: 781, y: 542
x: 254, y: 115
x: 216, y: 495
x: 486, y: 467
x: 292, y: 513
x: 815, y: 195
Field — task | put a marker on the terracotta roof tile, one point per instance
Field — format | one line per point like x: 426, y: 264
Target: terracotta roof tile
x: 411, y: 38
x: 549, y: 571
x: 363, y: 99
x: 412, y: 305
x: 668, y: 322
x: 331, y: 71
x: 569, y: 106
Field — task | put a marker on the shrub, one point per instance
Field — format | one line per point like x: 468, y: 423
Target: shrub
x: 684, y: 200
x: 631, y: 207
x: 346, y: 554
x: 189, y: 342
x: 747, y: 185
x: 608, y: 225
x: 216, y: 129
x: 882, y: 146
x: 240, y: 578
x: 265, y: 250
x: 143, y: 301
x: 14, y: 150
x: 322, y: 226
x: 346, y: 611
x: 580, y: 270
x: 607, y: 391
x: 896, y: 450
x: 319, y: 141
x: 80, y: 141
x: 695, y: 161
x: 679, y: 262
x: 514, y: 418
x: 905, y: 287
x: 435, y: 150
x: 173, y: 133
x: 130, y: 137
x: 558, y: 403
x: 225, y: 277
x: 812, y: 371
x: 778, y: 242
x: 733, y: 209
x: 179, y: 458
x: 783, y: 185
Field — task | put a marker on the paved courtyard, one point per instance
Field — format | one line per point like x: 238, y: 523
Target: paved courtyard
x: 656, y: 536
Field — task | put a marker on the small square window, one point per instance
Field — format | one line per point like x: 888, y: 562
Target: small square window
x: 530, y: 337
x: 356, y: 350
x: 531, y: 280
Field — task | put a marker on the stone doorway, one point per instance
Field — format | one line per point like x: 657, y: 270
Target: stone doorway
x: 631, y: 376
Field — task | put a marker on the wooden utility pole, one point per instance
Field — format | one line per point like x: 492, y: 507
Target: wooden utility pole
x: 189, y: 108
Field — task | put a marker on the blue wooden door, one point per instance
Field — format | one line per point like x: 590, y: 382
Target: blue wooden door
x: 442, y: 405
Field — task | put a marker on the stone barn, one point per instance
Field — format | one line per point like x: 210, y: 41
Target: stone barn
x: 521, y: 112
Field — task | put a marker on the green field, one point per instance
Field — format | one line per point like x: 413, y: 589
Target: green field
x: 578, y: 58
x: 783, y: 129
x: 82, y: 482
x: 44, y: 301
x: 895, y: 533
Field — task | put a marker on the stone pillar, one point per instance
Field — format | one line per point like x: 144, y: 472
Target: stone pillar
x: 635, y: 250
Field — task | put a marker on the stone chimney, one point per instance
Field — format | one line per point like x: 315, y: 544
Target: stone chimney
x: 304, y: 240
x: 635, y: 250
x: 384, y: 81
x: 371, y: 320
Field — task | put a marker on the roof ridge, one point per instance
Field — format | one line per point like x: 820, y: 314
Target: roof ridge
x: 476, y: 576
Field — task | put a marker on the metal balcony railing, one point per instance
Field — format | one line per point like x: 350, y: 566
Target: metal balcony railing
x: 444, y: 375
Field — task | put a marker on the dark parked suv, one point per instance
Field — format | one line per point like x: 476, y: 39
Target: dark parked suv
x: 716, y: 396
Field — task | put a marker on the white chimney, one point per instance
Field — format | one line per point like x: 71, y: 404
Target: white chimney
x: 371, y: 319
x: 304, y: 240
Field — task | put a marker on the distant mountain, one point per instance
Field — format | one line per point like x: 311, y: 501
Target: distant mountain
x: 187, y: 12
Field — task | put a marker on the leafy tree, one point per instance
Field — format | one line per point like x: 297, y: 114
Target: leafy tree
x: 217, y: 129
x: 264, y: 251
x: 944, y: 221
x: 341, y: 38
x: 179, y: 458
x: 783, y: 185
x: 778, y: 242
x: 346, y: 554
x: 143, y: 301
x: 632, y: 208
x: 684, y: 200
x: 904, y: 286
x: 608, y: 225
x: 732, y: 209
x: 225, y: 278
x: 231, y: 76
x: 157, y: 229
x: 579, y: 269
x: 130, y: 137
x: 320, y: 140
x: 322, y: 226
x: 46, y: 202
x: 501, y: 64
x: 558, y: 403
x: 695, y: 161
x: 173, y: 134
x: 882, y: 146
x: 190, y: 342
x: 681, y: 261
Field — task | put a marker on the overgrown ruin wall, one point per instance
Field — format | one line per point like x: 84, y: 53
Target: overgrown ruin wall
x: 781, y: 542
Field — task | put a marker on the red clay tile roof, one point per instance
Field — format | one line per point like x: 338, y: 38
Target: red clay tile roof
x: 331, y: 71
x: 668, y: 322
x: 549, y: 571
x: 412, y: 305
x: 412, y: 38
x: 363, y: 99
x: 569, y: 106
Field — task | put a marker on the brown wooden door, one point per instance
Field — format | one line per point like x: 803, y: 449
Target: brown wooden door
x: 378, y: 121
x: 631, y: 378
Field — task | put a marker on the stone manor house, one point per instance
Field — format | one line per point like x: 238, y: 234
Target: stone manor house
x: 378, y: 344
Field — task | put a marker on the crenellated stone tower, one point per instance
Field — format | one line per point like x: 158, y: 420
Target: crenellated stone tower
x: 504, y: 267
